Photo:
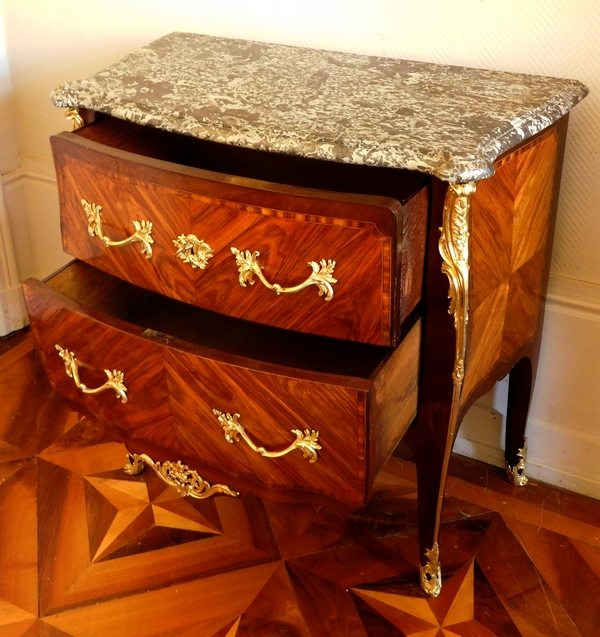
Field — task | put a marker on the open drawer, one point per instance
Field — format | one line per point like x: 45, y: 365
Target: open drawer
x: 186, y: 379
x: 333, y: 250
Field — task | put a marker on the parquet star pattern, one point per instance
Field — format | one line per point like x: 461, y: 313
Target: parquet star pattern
x: 86, y: 550
x: 139, y: 514
x: 416, y: 617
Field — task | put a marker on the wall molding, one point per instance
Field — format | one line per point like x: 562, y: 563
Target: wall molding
x: 13, y: 315
x: 543, y: 439
x: 564, y: 457
x: 13, y: 187
x: 34, y: 168
x: 31, y: 197
x: 579, y: 298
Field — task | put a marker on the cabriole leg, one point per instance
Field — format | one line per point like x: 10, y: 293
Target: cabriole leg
x: 519, y: 397
x: 443, y: 369
x: 431, y: 482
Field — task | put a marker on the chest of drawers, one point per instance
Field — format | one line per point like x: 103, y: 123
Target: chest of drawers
x: 250, y: 307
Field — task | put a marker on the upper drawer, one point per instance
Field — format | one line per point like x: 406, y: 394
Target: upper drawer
x: 315, y: 261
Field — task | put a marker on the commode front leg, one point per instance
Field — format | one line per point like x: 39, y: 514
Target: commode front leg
x: 431, y: 438
x: 428, y: 450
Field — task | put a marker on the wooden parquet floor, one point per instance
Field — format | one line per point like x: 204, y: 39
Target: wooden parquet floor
x: 88, y: 551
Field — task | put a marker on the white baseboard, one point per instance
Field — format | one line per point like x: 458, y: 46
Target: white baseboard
x: 563, y: 429
x: 564, y: 458
x: 13, y: 186
x: 555, y: 455
x: 13, y: 315
x: 579, y: 298
x: 481, y: 434
x: 31, y: 198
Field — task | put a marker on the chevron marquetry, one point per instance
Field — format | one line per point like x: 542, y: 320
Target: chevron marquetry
x: 511, y: 230
x: 173, y: 387
x: 288, y: 228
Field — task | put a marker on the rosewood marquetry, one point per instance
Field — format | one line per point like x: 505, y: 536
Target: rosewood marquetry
x: 174, y: 386
x: 511, y: 237
x: 376, y: 242
x: 378, y: 362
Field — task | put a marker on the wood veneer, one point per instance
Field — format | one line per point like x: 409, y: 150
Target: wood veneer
x: 512, y: 227
x: 511, y: 234
x: 376, y: 241
x: 173, y: 386
x: 394, y: 279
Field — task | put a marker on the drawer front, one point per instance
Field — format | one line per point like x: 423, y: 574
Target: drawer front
x: 207, y: 396
x: 172, y: 396
x: 303, y: 263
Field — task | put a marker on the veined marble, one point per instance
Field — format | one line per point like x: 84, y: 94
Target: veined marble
x: 448, y: 121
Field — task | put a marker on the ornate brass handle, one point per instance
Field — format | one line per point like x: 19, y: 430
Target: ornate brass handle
x: 192, y: 250
x: 115, y: 380
x: 321, y: 276
x: 143, y: 229
x: 74, y: 116
x: 307, y: 440
x: 178, y: 475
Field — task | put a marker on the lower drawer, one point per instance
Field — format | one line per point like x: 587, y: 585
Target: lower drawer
x: 286, y: 409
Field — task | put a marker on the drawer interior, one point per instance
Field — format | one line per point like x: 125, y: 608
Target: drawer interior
x: 159, y: 316
x: 255, y: 164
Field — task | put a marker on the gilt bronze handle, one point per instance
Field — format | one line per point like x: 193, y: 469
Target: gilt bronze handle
x: 321, y: 276
x: 307, y: 441
x: 116, y: 379
x: 142, y: 234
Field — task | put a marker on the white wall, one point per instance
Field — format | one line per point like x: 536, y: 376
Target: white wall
x: 51, y: 41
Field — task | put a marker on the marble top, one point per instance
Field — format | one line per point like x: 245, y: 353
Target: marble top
x: 448, y: 121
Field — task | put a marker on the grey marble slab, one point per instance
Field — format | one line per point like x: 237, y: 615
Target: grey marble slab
x: 449, y: 121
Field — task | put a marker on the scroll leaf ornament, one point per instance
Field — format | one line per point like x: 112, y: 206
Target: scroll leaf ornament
x: 431, y: 572
x: 142, y: 234
x: 74, y: 116
x: 307, y: 441
x: 454, y: 249
x: 321, y: 276
x: 516, y: 475
x: 116, y: 379
x: 186, y: 481
x: 192, y: 250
